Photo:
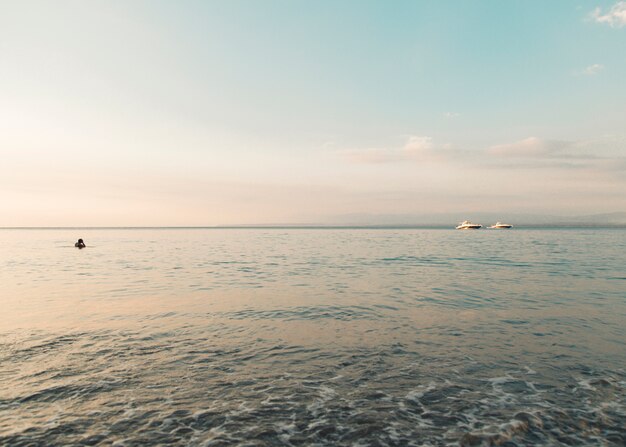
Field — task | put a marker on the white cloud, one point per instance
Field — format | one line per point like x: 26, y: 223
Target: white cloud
x: 451, y: 115
x: 615, y: 17
x: 529, y: 147
x: 600, y: 155
x: 418, y: 145
x: 593, y: 69
x: 416, y: 148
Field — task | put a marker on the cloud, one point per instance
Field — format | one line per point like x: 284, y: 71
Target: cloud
x: 418, y: 145
x: 590, y: 70
x: 615, y: 17
x: 600, y: 155
x: 416, y: 148
x: 593, y: 69
x: 530, y: 147
x: 451, y: 115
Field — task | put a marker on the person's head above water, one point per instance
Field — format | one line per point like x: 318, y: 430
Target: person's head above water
x: 79, y: 244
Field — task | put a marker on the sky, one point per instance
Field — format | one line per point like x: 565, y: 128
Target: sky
x: 193, y: 113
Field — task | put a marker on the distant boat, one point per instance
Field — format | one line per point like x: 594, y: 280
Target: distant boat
x: 500, y: 226
x: 467, y: 225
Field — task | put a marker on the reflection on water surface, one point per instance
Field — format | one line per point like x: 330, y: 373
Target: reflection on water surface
x: 266, y: 337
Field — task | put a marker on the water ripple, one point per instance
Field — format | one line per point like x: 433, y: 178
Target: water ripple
x: 333, y: 337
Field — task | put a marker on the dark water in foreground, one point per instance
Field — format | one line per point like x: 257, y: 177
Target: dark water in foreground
x: 313, y: 337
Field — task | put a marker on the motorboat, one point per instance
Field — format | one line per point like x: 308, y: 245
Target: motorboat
x: 500, y: 226
x: 467, y: 225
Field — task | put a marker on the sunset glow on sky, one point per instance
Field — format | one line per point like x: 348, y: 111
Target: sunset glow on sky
x: 242, y: 112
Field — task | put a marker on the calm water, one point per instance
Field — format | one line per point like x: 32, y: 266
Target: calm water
x: 328, y: 337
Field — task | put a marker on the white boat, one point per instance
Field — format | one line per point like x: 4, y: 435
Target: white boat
x: 500, y: 226
x: 467, y: 225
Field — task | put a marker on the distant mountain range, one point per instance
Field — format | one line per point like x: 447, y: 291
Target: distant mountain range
x: 447, y: 219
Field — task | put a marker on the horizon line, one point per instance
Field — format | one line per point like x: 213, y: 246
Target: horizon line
x: 306, y: 226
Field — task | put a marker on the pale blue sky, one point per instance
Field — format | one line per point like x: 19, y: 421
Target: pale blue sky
x: 201, y: 113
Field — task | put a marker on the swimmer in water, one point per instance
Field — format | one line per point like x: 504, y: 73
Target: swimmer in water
x: 80, y: 244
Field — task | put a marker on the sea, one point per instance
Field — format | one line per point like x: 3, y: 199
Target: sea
x: 313, y: 336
